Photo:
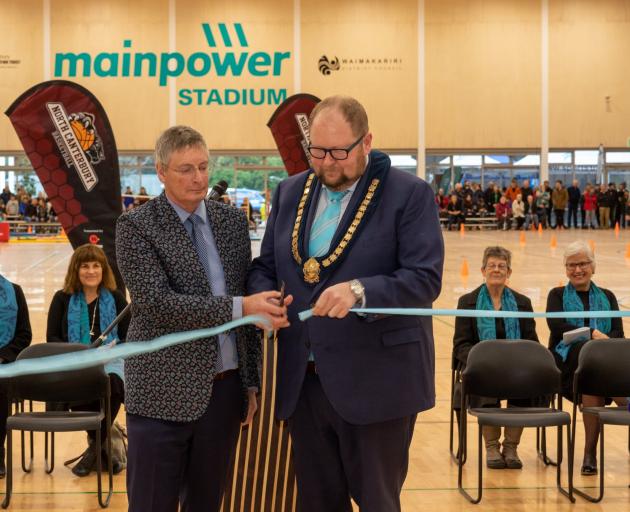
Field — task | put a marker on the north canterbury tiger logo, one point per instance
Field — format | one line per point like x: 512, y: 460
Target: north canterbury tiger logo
x: 78, y: 142
x: 82, y: 125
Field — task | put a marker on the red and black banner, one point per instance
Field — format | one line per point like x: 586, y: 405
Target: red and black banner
x: 69, y: 141
x: 290, y: 130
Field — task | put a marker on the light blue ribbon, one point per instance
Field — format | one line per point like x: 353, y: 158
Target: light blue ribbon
x: 475, y: 313
x: 107, y: 353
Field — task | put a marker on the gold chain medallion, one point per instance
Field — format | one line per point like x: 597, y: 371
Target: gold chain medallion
x: 311, y: 271
x: 312, y: 267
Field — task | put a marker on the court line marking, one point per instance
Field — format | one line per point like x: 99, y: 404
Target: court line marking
x: 38, y: 262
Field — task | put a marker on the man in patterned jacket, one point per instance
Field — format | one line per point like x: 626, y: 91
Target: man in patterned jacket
x: 184, y: 260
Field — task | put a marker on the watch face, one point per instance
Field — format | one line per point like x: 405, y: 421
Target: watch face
x: 357, y: 289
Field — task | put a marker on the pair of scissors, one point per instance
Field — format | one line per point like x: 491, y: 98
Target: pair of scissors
x: 282, y: 288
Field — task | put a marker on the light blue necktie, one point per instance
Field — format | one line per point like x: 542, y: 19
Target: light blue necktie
x: 324, y: 228
x: 325, y: 225
x: 194, y: 222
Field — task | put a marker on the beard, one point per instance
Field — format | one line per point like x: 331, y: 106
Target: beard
x: 339, y: 180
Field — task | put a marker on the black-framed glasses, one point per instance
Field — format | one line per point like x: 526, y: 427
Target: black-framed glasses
x: 335, y: 153
x: 579, y: 264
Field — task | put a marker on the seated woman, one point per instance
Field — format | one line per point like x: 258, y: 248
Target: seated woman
x: 518, y: 211
x: 581, y: 294
x: 495, y: 295
x: 15, y: 336
x: 503, y: 213
x: 454, y: 211
x: 469, y: 207
x: 79, y: 313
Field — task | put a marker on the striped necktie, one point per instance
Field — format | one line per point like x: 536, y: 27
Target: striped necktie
x: 325, y: 224
x: 194, y: 222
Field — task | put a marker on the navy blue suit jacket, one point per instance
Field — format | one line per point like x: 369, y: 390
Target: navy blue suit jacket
x: 371, y: 369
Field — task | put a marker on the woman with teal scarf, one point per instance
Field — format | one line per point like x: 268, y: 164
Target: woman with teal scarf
x: 495, y: 295
x: 581, y: 294
x: 79, y: 313
x: 15, y: 336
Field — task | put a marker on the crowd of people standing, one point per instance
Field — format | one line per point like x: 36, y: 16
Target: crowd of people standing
x: 521, y: 205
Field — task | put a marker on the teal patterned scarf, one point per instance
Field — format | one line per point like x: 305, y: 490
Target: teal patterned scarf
x: 597, y: 301
x: 79, y: 321
x: 486, y: 326
x: 79, y: 324
x: 8, y: 311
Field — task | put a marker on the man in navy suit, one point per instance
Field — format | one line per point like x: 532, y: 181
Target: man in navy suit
x: 352, y: 231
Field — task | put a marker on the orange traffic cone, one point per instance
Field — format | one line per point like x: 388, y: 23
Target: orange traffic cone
x: 521, y: 239
x: 540, y: 228
x: 30, y: 230
x: 554, y: 242
x: 627, y: 250
x: 533, y: 227
x: 616, y: 230
x: 591, y: 244
x: 464, y: 270
x: 462, y: 229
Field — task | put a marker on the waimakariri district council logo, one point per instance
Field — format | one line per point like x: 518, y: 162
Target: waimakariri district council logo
x: 327, y: 66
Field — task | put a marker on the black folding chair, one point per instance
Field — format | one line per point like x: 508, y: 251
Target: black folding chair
x: 72, y: 386
x: 505, y: 369
x: 603, y: 370
x: 456, y: 378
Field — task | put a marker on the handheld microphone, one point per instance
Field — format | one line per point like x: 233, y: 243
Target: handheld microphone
x: 99, y: 341
x: 218, y: 190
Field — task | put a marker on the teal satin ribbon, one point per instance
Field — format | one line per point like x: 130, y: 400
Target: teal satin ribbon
x: 475, y: 313
x: 107, y: 353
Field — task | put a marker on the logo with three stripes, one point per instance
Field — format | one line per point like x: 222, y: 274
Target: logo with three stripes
x: 224, y: 34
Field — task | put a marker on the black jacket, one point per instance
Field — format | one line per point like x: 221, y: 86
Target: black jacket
x: 57, y: 326
x: 466, y: 335
x: 23, y: 334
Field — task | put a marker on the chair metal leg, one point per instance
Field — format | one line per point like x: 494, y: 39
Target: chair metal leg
x: 568, y: 493
x: 49, y: 467
x: 20, y: 407
x: 452, y: 418
x: 9, y: 485
x: 541, y: 446
x: 455, y: 415
x: 585, y: 495
x: 460, y: 468
x: 110, y: 473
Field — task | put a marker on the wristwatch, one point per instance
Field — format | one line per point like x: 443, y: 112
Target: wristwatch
x: 358, y: 290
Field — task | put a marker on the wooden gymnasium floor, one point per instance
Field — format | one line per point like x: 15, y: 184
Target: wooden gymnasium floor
x: 432, y: 480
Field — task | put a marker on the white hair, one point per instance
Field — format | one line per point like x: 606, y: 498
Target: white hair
x: 579, y: 247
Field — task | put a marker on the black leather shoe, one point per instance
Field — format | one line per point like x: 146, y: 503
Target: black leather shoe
x: 589, y: 465
x: 87, y: 463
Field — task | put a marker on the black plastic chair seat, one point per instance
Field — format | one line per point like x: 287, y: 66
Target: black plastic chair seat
x: 521, y: 417
x: 511, y: 369
x: 610, y: 415
x: 55, y: 421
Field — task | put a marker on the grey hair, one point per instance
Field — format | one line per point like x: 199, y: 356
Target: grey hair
x: 496, y: 251
x: 175, y: 138
x: 579, y: 247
